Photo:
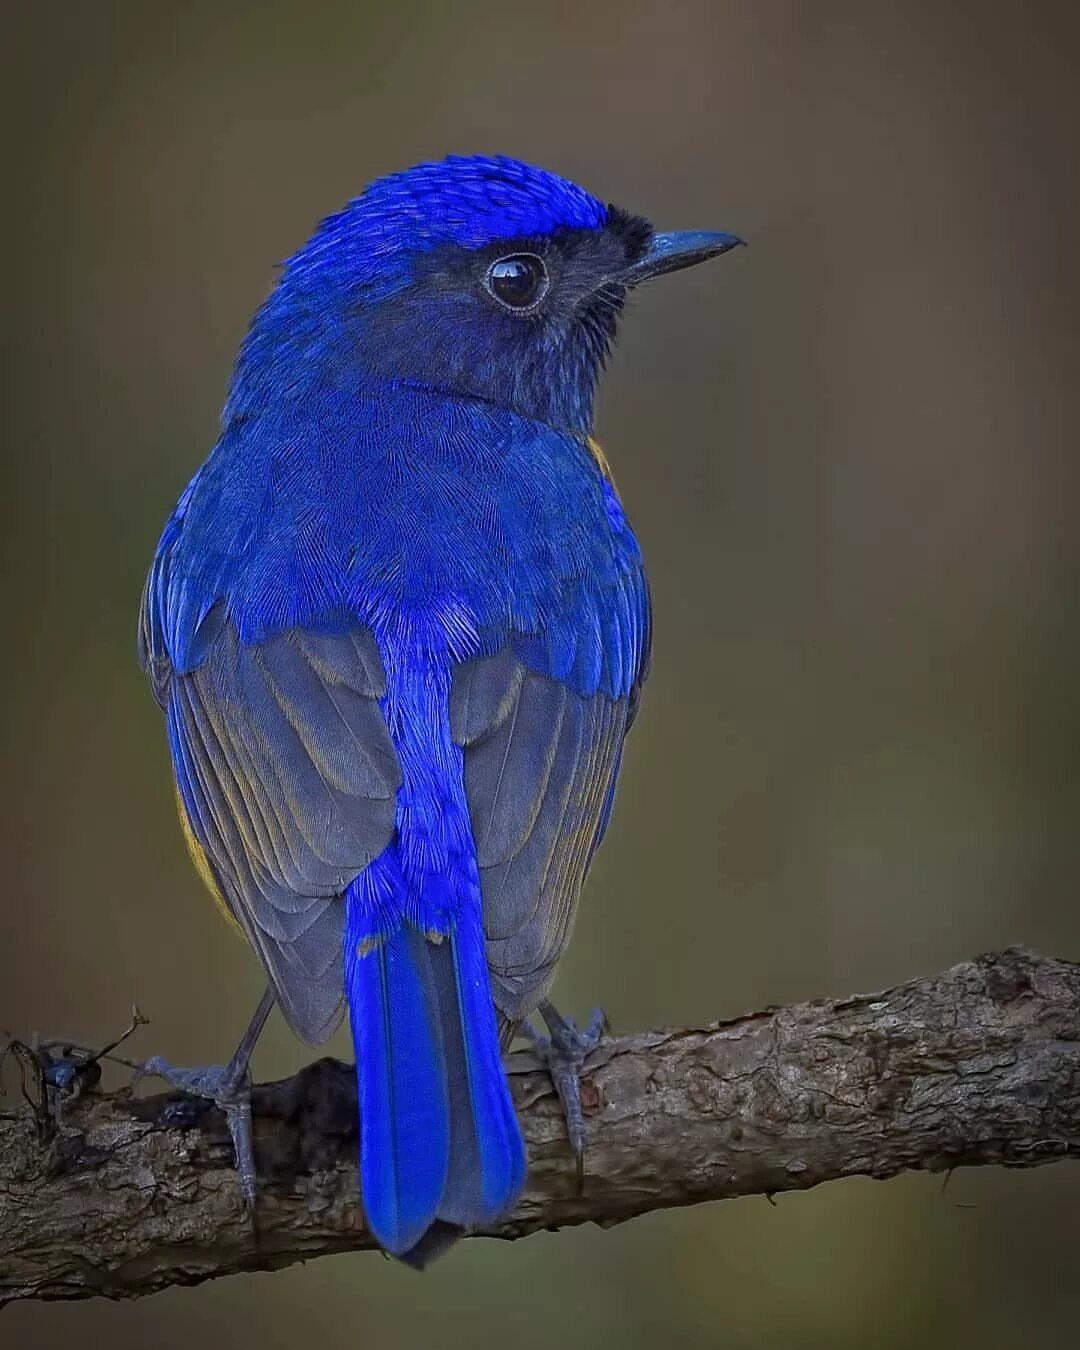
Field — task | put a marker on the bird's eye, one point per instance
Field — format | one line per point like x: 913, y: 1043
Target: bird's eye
x: 518, y: 281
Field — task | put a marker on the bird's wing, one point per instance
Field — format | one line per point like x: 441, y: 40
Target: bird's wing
x: 542, y: 744
x: 286, y: 780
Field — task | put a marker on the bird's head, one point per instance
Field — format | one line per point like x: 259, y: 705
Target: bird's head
x: 483, y: 278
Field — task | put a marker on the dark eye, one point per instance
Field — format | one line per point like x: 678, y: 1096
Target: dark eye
x: 519, y: 281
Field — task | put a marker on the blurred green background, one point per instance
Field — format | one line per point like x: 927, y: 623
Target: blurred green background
x: 850, y: 452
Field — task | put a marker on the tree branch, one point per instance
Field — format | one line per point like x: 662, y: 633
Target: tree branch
x: 980, y: 1065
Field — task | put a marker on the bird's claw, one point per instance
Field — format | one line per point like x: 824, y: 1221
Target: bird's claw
x: 563, y: 1052
x: 229, y: 1088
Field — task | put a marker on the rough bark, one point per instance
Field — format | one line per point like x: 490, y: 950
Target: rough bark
x: 979, y: 1065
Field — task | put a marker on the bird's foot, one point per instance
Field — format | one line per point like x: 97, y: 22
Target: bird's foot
x: 563, y: 1052
x: 228, y: 1086
x: 228, y: 1090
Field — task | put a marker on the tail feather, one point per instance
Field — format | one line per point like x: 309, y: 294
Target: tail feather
x: 440, y: 1147
x: 404, y: 1116
x: 488, y: 1113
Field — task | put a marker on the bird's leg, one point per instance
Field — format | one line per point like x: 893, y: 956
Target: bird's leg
x: 563, y: 1052
x: 227, y: 1086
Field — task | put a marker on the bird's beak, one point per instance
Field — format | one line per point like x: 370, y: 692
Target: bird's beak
x: 682, y: 248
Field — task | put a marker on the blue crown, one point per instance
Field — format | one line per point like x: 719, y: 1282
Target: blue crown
x: 473, y: 200
x: 469, y: 201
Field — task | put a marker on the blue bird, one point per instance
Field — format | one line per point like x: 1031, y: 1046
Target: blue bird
x: 398, y: 625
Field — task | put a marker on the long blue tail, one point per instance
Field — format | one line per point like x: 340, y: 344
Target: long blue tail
x: 440, y: 1147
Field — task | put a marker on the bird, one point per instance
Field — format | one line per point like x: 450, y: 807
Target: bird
x: 398, y: 624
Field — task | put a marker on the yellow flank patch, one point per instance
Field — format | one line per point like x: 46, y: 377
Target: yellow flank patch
x: 202, y: 865
x: 433, y: 935
x: 597, y: 452
x: 368, y: 946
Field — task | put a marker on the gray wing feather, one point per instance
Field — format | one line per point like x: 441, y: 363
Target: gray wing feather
x: 289, y: 778
x: 507, y: 773
x: 540, y: 763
